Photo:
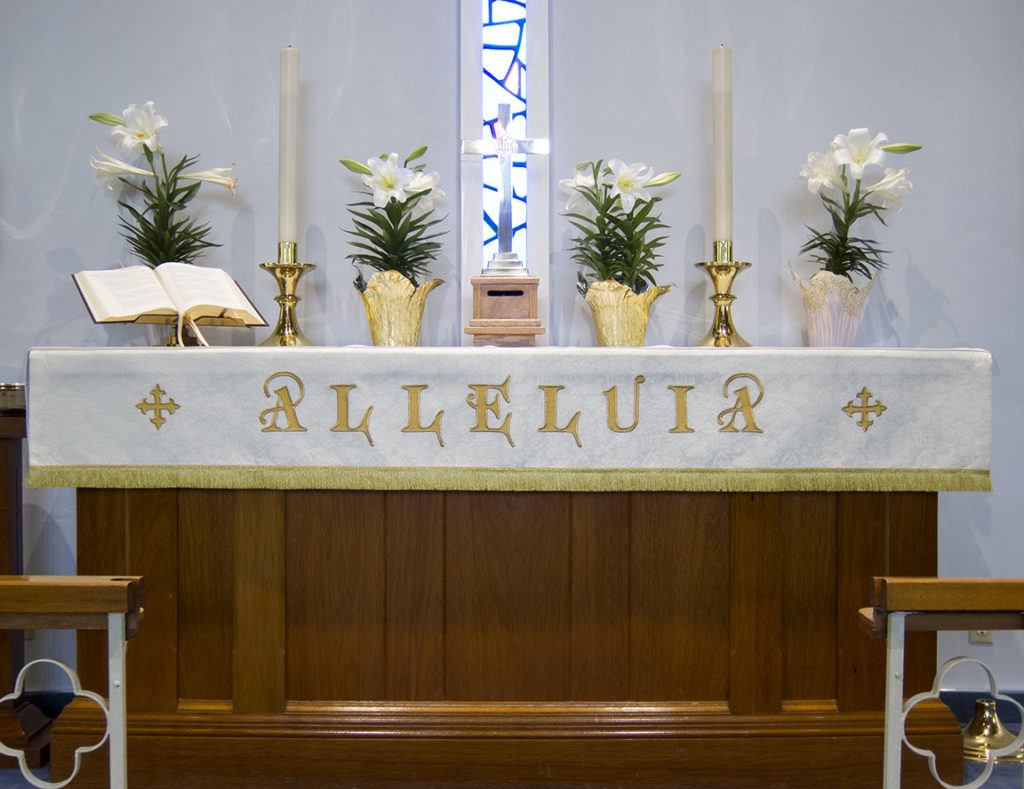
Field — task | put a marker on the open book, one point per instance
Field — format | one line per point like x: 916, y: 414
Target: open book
x: 170, y: 293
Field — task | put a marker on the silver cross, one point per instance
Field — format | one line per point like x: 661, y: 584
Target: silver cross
x: 505, y: 146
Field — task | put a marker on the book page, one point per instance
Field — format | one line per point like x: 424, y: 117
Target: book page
x: 205, y: 292
x: 123, y: 294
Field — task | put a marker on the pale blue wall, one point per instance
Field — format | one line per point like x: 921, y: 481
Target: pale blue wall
x: 629, y: 80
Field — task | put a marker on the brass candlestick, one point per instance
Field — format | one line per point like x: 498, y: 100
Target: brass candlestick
x: 723, y: 270
x: 287, y: 273
x: 985, y: 733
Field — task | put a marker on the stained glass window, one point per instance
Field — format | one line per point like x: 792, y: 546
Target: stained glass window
x: 504, y: 82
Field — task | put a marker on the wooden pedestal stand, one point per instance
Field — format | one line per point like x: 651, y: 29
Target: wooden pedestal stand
x: 505, y: 311
x: 22, y: 724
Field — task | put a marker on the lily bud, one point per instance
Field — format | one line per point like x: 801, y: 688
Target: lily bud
x: 107, y: 118
x: 901, y: 147
x: 356, y: 167
x: 663, y: 178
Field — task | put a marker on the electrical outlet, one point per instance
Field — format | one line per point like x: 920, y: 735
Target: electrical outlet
x: 981, y: 637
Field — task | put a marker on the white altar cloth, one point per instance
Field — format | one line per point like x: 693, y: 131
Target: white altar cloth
x: 510, y: 419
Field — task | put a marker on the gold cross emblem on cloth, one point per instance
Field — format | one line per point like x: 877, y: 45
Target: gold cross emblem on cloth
x: 864, y: 409
x: 157, y: 406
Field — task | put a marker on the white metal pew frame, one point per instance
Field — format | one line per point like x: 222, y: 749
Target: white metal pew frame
x: 79, y: 603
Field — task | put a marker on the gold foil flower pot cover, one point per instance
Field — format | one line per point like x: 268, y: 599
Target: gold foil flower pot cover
x: 394, y: 307
x: 620, y: 315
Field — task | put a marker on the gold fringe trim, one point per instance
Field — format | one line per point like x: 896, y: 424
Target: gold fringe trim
x: 509, y: 479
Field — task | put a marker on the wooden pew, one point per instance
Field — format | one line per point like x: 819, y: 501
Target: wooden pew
x: 913, y: 604
x: 72, y: 602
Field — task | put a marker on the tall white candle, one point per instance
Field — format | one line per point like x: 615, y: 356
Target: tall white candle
x: 721, y: 82
x: 287, y: 174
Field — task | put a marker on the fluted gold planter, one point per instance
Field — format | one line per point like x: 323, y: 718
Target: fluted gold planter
x: 620, y: 315
x: 394, y: 307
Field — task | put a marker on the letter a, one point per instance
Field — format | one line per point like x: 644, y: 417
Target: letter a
x: 285, y: 405
x: 741, y: 406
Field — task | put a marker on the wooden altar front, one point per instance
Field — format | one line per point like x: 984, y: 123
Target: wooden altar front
x: 373, y: 638
x: 445, y: 565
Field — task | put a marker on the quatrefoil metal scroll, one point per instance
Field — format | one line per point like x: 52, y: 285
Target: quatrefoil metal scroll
x: 934, y: 694
x: 76, y: 686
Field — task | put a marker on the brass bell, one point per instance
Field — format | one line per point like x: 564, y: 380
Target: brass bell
x: 985, y: 733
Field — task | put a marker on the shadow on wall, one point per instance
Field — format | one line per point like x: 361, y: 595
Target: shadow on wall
x: 926, y: 309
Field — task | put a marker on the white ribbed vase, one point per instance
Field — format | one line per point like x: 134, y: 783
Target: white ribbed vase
x: 833, y: 307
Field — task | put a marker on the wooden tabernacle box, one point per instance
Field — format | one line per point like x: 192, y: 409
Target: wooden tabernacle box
x: 505, y: 311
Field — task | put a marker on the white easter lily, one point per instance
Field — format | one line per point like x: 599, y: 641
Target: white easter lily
x: 841, y: 169
x: 821, y: 172
x: 107, y: 166
x: 857, y: 150
x: 140, y: 130
x: 615, y: 239
x: 891, y: 189
x: 215, y: 175
x: 387, y: 179
x: 393, y: 225
x: 628, y: 182
x: 577, y: 203
x: 159, y: 229
x: 425, y: 183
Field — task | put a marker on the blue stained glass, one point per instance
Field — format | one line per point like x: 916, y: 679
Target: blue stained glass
x: 505, y: 11
x: 504, y: 82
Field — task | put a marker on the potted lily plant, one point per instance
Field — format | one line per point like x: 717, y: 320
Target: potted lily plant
x: 395, y: 236
x: 616, y: 245
x: 833, y: 303
x: 161, y: 231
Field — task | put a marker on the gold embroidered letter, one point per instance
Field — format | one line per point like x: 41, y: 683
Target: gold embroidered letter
x: 681, y: 426
x: 285, y: 405
x: 551, y: 414
x: 477, y: 400
x: 742, y: 405
x: 414, y: 425
x: 343, y: 426
x: 613, y: 406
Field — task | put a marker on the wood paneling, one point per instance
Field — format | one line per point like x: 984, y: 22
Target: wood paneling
x: 12, y: 430
x: 205, y: 593
x: 755, y: 596
x: 915, y: 552
x: 258, y: 673
x: 153, y: 544
x: 600, y: 596
x: 507, y: 594
x: 335, y: 544
x: 560, y: 745
x: 809, y: 596
x: 679, y: 597
x: 862, y: 531
x: 477, y: 635
x: 102, y: 537
x: 415, y: 596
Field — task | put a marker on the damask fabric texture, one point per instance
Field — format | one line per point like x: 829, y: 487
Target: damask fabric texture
x: 511, y: 419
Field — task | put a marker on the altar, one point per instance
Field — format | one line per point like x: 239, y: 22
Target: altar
x: 539, y: 566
